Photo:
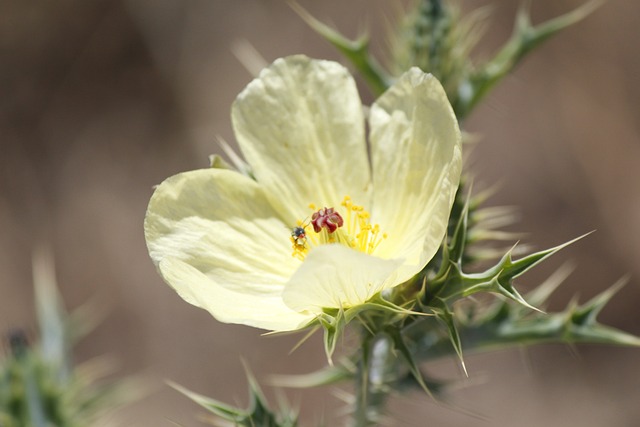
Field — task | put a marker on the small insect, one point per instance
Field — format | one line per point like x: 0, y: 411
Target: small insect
x: 299, y: 236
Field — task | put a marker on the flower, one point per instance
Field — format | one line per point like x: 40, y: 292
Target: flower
x: 318, y: 225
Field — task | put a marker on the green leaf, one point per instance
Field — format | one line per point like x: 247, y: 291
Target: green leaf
x: 238, y: 163
x: 505, y: 324
x: 459, y: 238
x: 333, y: 324
x: 587, y: 313
x: 541, y: 294
x: 356, y: 51
x: 445, y: 315
x: 39, y: 385
x: 408, y: 357
x: 257, y: 414
x: 379, y: 304
x: 525, y: 38
x: 217, y: 162
x: 34, y: 396
x: 497, y: 279
x: 216, y: 407
x: 52, y: 317
x: 328, y: 375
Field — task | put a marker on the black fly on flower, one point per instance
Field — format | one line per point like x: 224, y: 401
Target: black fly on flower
x: 299, y: 239
x: 299, y: 236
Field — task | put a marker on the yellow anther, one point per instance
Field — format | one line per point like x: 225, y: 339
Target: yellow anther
x: 357, y: 232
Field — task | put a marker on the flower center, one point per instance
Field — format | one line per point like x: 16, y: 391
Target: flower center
x: 349, y: 225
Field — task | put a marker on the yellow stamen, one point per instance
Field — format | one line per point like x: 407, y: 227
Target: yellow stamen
x: 357, y: 231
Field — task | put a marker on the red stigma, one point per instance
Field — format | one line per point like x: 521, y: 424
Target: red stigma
x: 326, y: 218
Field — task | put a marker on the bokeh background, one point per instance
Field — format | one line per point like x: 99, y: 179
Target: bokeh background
x: 102, y: 99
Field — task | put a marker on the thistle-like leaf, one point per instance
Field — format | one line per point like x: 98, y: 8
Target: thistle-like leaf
x: 34, y: 395
x: 469, y: 227
x: 452, y: 249
x: 220, y: 409
x: 240, y: 165
x: 587, y: 313
x: 356, y: 51
x: 39, y: 385
x: 539, y: 295
x: 437, y: 38
x: 380, y: 305
x: 497, y: 279
x: 576, y: 324
x: 217, y: 162
x: 54, y: 338
x: 339, y: 372
x: 333, y: 324
x: 504, y: 324
x: 445, y: 315
x: 401, y: 347
x: 459, y: 237
x: 258, y: 414
x: 525, y: 38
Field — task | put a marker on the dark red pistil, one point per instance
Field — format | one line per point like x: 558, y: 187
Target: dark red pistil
x: 326, y: 218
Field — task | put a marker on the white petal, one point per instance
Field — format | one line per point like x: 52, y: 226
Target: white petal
x: 335, y: 276
x: 266, y: 312
x: 221, y: 224
x: 416, y: 161
x: 300, y: 126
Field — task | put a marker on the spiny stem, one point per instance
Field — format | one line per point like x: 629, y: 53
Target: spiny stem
x: 371, y: 378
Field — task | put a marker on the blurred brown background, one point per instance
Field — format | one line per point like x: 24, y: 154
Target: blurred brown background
x: 102, y: 99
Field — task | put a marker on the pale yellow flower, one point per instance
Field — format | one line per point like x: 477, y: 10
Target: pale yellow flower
x: 245, y: 249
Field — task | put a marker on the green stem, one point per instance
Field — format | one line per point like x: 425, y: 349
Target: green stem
x: 373, y: 372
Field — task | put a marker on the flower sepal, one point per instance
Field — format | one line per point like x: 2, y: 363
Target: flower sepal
x: 372, y: 315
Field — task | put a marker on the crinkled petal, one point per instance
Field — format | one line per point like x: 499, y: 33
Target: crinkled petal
x: 220, y: 223
x: 335, y: 276
x: 417, y: 161
x: 300, y: 126
x: 260, y: 311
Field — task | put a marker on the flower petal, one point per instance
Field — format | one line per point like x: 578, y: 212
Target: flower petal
x: 300, y: 126
x: 335, y: 276
x: 221, y: 224
x: 260, y: 311
x: 417, y: 161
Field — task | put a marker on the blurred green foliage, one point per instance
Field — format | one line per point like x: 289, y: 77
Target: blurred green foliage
x: 40, y: 386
